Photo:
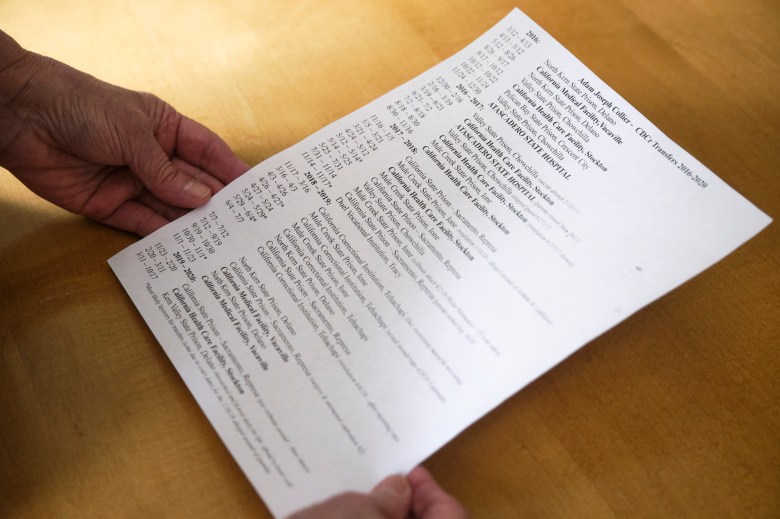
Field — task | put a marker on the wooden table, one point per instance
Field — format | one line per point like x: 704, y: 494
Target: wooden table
x: 674, y: 413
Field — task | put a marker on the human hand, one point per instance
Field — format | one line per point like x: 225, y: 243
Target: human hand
x: 418, y: 496
x: 123, y: 158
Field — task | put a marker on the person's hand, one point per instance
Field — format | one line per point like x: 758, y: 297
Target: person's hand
x: 123, y: 158
x: 418, y: 496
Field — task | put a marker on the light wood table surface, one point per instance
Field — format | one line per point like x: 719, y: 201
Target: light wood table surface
x: 674, y: 413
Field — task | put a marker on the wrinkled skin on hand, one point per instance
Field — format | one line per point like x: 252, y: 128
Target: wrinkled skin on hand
x: 123, y: 158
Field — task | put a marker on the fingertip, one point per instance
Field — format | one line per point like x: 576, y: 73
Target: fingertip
x: 239, y: 169
x: 230, y: 168
x: 430, y: 500
x: 147, y: 228
x: 196, y: 191
x: 233, y: 166
x: 393, y: 495
x: 136, y: 218
x: 418, y: 474
x: 395, y: 485
x: 203, y: 148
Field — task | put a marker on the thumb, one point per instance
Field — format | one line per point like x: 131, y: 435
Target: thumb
x: 393, y: 497
x: 167, y: 182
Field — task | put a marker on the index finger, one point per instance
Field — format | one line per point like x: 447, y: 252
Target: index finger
x: 204, y: 149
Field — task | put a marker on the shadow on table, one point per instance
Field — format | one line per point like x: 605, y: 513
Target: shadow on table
x: 88, y: 400
x: 58, y: 340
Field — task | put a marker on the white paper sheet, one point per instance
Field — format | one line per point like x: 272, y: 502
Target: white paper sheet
x: 352, y: 303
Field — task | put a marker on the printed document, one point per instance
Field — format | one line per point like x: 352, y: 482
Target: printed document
x: 352, y: 303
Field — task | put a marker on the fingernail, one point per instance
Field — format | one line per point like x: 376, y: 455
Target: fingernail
x: 195, y: 189
x: 397, y: 486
